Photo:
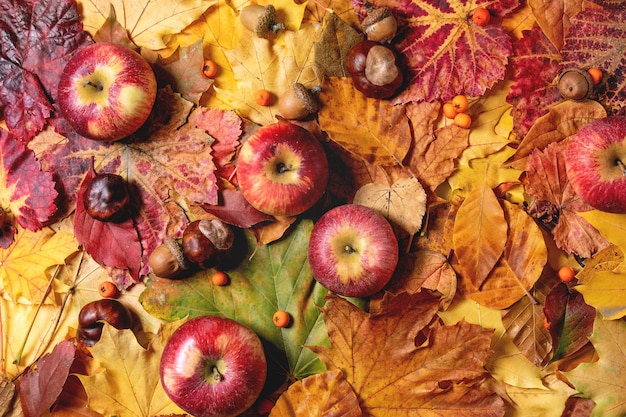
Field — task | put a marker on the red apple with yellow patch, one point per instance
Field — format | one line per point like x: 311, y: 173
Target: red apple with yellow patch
x: 106, y: 91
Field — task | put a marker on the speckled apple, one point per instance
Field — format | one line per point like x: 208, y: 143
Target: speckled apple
x: 282, y: 169
x: 106, y: 91
x: 596, y: 163
x: 353, y: 250
x: 213, y: 367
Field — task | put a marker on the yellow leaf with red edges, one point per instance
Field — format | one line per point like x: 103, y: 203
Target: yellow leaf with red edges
x: 23, y: 264
x: 444, y: 376
x: 479, y: 233
x: 322, y: 394
x: 148, y: 22
x: 370, y: 129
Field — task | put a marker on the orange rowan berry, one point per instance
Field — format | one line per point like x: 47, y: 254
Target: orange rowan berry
x: 263, y: 98
x: 281, y: 318
x: 596, y: 75
x: 481, y: 16
x: 219, y: 278
x: 566, y: 273
x: 209, y: 69
x: 460, y: 103
x: 463, y: 120
x: 108, y: 290
x: 448, y: 110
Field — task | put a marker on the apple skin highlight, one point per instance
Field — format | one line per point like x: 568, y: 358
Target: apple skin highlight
x: 353, y: 251
x: 213, y: 367
x: 595, y: 163
x: 106, y: 91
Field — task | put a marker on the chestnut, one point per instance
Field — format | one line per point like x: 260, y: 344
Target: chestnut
x: 93, y: 315
x: 575, y: 84
x: 207, y: 243
x: 106, y: 198
x: 375, y: 69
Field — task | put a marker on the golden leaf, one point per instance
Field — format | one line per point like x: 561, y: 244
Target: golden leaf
x: 373, y: 130
x: 129, y: 373
x: 322, y: 394
x: 403, y: 203
x: 553, y: 17
x: 479, y: 234
x: 23, y: 264
x: 148, y: 22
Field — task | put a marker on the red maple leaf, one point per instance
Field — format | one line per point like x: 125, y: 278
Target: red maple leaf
x: 38, y: 38
x: 445, y: 53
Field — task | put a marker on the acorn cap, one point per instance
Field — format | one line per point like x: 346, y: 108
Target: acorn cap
x: 174, y: 246
x: 309, y: 101
x: 376, y: 15
x: 267, y: 22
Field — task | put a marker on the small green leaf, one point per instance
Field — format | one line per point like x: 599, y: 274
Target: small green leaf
x: 272, y: 277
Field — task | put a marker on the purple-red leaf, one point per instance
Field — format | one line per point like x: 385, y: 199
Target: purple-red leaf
x: 28, y: 192
x: 38, y: 38
x: 234, y: 209
x: 571, y: 320
x: 40, y: 388
x: 445, y: 53
x: 109, y: 243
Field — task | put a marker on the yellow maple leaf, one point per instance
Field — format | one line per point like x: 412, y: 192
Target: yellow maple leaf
x: 259, y: 63
x: 148, y: 22
x: 129, y: 373
x: 23, y: 264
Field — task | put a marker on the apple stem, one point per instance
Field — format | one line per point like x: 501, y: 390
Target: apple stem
x: 97, y: 86
x: 282, y: 167
x: 621, y: 165
x: 349, y: 249
x: 215, y: 374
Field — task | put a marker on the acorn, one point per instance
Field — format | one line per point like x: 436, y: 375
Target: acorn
x: 298, y: 102
x: 260, y: 19
x: 575, y: 84
x: 168, y: 259
x: 380, y: 25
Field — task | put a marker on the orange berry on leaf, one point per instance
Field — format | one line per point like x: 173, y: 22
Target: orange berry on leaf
x: 107, y: 289
x: 463, y: 120
x: 460, y: 103
x: 596, y: 75
x: 281, y: 318
x: 263, y: 98
x: 448, y: 110
x: 566, y: 273
x: 219, y: 278
x: 209, y: 69
x: 481, y: 16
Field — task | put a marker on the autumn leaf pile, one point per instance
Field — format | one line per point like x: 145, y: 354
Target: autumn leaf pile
x: 475, y: 321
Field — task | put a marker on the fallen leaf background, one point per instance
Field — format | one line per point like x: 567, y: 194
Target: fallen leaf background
x: 431, y: 179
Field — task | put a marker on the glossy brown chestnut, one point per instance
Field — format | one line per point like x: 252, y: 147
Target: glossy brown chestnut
x: 206, y: 242
x: 106, y: 198
x: 93, y: 315
x: 375, y: 69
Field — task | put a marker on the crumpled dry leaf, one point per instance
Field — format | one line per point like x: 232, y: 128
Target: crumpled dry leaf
x: 553, y: 17
x: 336, y: 40
x: 370, y: 129
x: 403, y: 203
x: 323, y: 394
x: 444, y: 376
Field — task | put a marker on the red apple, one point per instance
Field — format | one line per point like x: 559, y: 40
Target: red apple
x: 106, y: 91
x: 282, y: 169
x: 596, y: 164
x: 353, y: 250
x: 213, y: 366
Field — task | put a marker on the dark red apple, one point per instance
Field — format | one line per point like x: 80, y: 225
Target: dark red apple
x: 282, y: 169
x: 353, y: 250
x: 596, y: 163
x: 106, y: 91
x: 213, y: 366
